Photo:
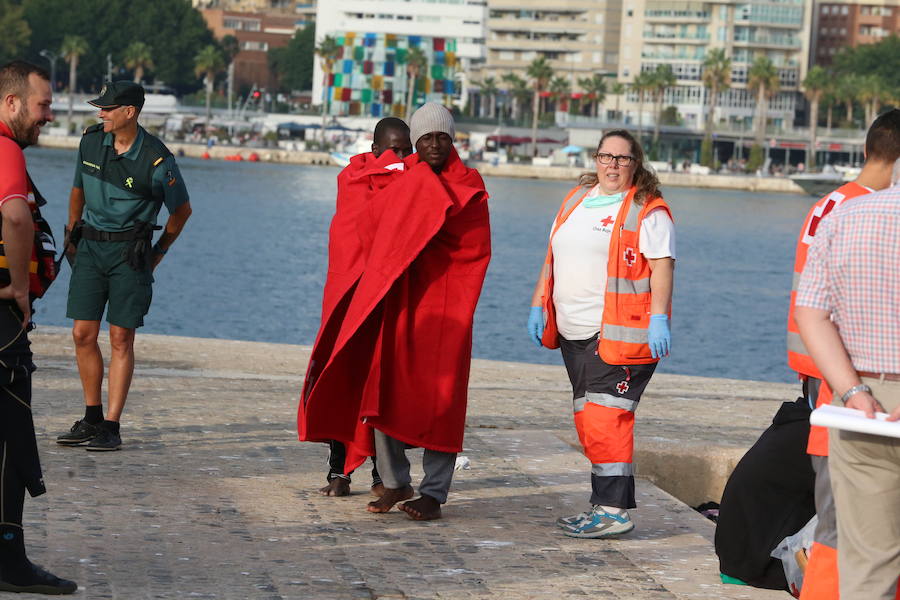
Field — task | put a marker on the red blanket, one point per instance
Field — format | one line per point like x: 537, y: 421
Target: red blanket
x: 399, y: 358
x: 356, y: 184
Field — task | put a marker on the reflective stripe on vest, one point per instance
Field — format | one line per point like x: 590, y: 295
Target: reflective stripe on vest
x: 619, y: 285
x: 612, y: 469
x: 627, y: 335
x: 601, y: 399
x: 798, y: 356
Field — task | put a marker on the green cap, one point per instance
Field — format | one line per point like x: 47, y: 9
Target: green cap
x: 119, y: 93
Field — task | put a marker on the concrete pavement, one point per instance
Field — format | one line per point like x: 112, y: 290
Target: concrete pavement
x: 213, y: 497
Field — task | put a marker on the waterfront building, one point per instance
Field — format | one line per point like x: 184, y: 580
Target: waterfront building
x: 375, y: 37
x: 256, y: 33
x: 850, y: 23
x: 578, y: 38
x: 679, y: 33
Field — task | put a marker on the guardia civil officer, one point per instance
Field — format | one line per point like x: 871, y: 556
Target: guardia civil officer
x: 26, y: 270
x: 123, y: 177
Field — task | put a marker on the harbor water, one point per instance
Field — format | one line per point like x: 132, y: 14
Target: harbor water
x: 251, y: 263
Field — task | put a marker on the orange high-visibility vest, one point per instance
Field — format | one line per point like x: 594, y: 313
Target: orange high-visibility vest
x: 626, y: 310
x: 798, y: 356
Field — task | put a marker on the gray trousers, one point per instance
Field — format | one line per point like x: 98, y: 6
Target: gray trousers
x: 393, y: 466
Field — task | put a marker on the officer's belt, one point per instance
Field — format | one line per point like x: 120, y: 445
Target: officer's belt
x: 96, y: 235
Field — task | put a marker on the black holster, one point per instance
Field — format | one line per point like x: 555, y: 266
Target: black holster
x: 139, y: 251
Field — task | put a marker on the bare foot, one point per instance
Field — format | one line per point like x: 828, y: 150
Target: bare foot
x: 424, y: 508
x: 377, y: 490
x: 336, y: 487
x: 389, y: 499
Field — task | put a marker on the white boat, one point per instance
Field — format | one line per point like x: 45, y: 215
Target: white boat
x: 820, y: 184
x: 341, y: 159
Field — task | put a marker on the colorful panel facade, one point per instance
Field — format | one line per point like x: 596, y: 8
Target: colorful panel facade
x: 371, y: 77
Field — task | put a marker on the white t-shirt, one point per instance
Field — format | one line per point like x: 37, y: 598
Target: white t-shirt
x: 580, y: 253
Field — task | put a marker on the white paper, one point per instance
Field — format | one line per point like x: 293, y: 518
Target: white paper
x: 850, y: 419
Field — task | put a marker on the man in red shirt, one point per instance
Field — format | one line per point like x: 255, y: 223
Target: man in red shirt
x: 24, y: 108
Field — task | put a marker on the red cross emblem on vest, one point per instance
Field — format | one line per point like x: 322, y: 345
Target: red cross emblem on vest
x: 622, y: 387
x: 607, y: 221
x: 629, y: 256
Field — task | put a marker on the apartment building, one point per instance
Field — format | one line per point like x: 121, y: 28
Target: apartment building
x: 679, y: 33
x: 256, y: 34
x: 577, y: 37
x: 375, y: 37
x: 850, y: 23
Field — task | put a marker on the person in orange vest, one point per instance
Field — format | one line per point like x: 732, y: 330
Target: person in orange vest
x: 882, y: 148
x: 604, y: 298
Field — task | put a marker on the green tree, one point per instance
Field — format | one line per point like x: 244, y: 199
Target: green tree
x: 662, y: 79
x: 207, y: 64
x: 138, y: 56
x: 881, y: 59
x: 595, y: 88
x: 618, y: 90
x: 873, y: 92
x: 847, y: 91
x: 560, y: 90
x: 16, y: 32
x: 763, y: 81
x: 73, y: 47
x: 489, y: 92
x: 814, y: 86
x: 231, y: 47
x: 540, y: 72
x: 716, y: 78
x: 175, y: 29
x: 643, y: 83
x: 327, y: 51
x: 518, y: 91
x: 294, y: 62
x: 416, y: 63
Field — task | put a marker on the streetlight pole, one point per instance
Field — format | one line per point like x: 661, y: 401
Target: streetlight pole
x: 51, y: 58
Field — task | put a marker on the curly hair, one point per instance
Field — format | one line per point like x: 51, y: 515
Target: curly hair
x: 645, y: 179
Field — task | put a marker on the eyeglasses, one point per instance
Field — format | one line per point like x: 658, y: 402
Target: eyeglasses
x: 622, y: 160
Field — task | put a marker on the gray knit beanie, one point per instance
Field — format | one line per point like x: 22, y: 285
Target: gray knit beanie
x: 431, y: 117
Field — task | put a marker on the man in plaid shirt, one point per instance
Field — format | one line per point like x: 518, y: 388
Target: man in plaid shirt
x: 848, y: 313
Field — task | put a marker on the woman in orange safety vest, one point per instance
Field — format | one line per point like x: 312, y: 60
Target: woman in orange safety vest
x: 604, y: 297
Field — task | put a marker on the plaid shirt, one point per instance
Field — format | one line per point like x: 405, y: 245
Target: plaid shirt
x: 853, y: 272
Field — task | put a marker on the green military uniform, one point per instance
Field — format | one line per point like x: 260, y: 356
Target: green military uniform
x: 121, y: 192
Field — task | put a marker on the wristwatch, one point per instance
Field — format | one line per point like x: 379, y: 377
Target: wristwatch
x: 856, y: 388
x: 159, y: 249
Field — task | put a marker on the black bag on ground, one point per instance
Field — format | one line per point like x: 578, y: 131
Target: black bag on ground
x: 768, y: 497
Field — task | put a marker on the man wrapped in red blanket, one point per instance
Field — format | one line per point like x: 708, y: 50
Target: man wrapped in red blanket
x: 366, y: 173
x: 392, y: 363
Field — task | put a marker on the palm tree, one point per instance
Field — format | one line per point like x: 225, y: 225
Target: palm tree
x: 73, y: 47
x: 327, y: 50
x: 642, y: 83
x: 560, y: 90
x: 416, y: 63
x: 662, y: 79
x: 540, y: 73
x: 489, y: 92
x: 208, y: 63
x: 595, y: 88
x: 617, y: 89
x: 518, y: 89
x: 847, y: 91
x: 830, y: 99
x: 716, y: 77
x: 138, y: 56
x: 872, y: 92
x: 764, y: 83
x: 813, y: 88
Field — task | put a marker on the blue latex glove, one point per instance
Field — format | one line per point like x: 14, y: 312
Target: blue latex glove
x: 536, y: 325
x: 659, y: 336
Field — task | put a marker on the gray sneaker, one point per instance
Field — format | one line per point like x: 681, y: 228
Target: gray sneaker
x: 571, y: 520
x: 81, y: 432
x: 599, y: 524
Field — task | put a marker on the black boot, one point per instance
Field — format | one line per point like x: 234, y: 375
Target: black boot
x: 18, y: 574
